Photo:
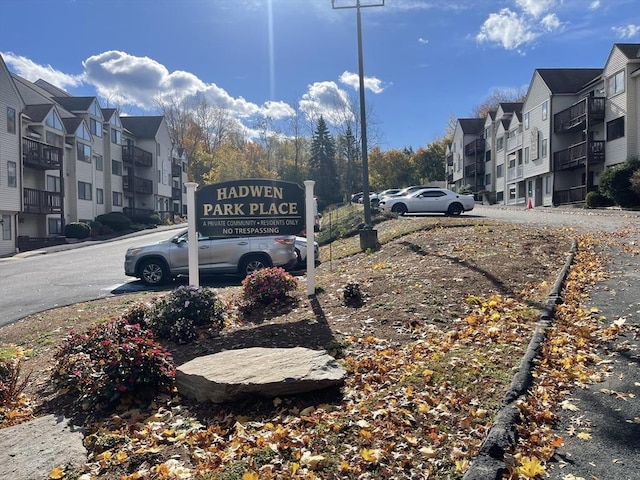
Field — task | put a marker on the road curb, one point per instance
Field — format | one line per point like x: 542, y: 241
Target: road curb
x: 502, y: 437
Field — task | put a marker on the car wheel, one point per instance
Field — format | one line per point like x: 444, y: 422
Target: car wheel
x: 153, y: 272
x: 455, y: 209
x: 300, y: 261
x: 399, y: 208
x: 253, y: 264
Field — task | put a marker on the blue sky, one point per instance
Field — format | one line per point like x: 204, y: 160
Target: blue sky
x: 424, y: 60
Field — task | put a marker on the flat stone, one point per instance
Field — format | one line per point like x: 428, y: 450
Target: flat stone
x: 267, y: 372
x: 32, y: 449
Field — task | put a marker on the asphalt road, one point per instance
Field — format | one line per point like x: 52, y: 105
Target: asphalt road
x: 34, y: 283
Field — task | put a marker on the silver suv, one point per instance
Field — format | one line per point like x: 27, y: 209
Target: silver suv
x: 159, y: 262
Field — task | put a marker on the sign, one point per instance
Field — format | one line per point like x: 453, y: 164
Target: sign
x: 250, y: 207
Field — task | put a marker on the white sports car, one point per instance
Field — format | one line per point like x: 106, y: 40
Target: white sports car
x: 429, y: 200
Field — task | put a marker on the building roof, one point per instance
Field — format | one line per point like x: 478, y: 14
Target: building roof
x: 568, y: 80
x: 52, y: 89
x: 71, y: 124
x: 142, y: 127
x: 510, y: 107
x: 108, y: 112
x: 629, y: 50
x: 471, y: 125
x: 75, y: 104
x: 37, y: 113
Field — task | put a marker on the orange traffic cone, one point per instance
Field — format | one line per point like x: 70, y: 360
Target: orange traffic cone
x: 530, y: 205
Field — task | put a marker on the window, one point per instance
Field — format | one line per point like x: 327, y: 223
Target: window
x: 499, y: 169
x: 487, y: 179
x: 53, y: 184
x: 84, y: 190
x: 83, y: 133
x: 53, y: 139
x: 116, y: 167
x: 500, y: 143
x: 116, y: 136
x: 545, y: 109
x: 99, y: 196
x: 96, y: 127
x: 117, y: 199
x: 99, y: 162
x: 487, y: 156
x: 94, y: 109
x: 615, y: 84
x: 6, y: 227
x: 543, y: 147
x: 526, y: 154
x: 53, y: 121
x: 615, y: 129
x: 115, y: 120
x: 526, y: 121
x: 12, y: 174
x: 54, y: 226
x: 84, y: 152
x: 11, y: 120
x: 547, y: 184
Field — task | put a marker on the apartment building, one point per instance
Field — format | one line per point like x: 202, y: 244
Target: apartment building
x: 552, y: 148
x: 66, y: 159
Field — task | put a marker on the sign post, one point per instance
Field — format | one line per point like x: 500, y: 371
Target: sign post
x: 194, y: 271
x: 311, y: 253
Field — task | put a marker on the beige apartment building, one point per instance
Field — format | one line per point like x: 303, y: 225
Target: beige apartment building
x: 552, y: 148
x: 66, y: 159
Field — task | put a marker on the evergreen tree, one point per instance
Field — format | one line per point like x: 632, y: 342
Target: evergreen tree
x: 322, y: 165
x: 349, y: 150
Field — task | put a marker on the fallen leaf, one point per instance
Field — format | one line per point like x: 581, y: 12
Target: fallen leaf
x: 56, y: 473
x: 584, y: 436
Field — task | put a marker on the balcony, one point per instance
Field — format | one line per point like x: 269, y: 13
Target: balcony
x: 474, y: 169
x: 575, y: 118
x: 133, y: 184
x: 450, y: 160
x: 474, y: 147
x: 176, y: 170
x: 514, y: 173
x: 450, y: 180
x: 132, y: 155
x: 176, y: 193
x: 577, y: 155
x: 514, y: 142
x: 571, y: 195
x: 40, y: 155
x: 41, y: 201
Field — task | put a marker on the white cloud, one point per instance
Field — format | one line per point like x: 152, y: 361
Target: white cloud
x: 550, y: 22
x: 594, y: 5
x: 423, y: 40
x: 370, y: 83
x: 27, y: 68
x: 627, y: 32
x: 326, y: 99
x: 535, y: 8
x: 507, y: 29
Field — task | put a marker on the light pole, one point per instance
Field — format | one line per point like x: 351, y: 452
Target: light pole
x: 368, y: 236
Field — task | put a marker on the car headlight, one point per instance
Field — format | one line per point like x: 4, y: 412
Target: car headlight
x: 133, y: 251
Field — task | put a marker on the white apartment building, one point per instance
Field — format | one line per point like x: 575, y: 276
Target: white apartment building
x: 66, y: 159
x: 552, y: 148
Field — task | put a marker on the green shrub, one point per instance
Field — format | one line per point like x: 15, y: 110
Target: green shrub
x: 635, y: 182
x: 113, y: 361
x: 268, y: 285
x: 79, y: 230
x: 153, y: 219
x: 96, y: 228
x: 615, y: 183
x: 177, y: 315
x: 140, y: 313
x: 597, y: 200
x: 117, y: 221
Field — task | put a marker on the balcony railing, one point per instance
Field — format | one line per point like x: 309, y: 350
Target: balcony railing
x: 576, y: 155
x: 176, y: 193
x: 40, y: 155
x: 137, y: 184
x: 575, y: 117
x: 41, y: 201
x: 514, y: 142
x: 133, y: 155
x: 514, y: 173
x: 571, y: 195
x: 475, y: 169
x: 176, y: 170
x: 474, y: 147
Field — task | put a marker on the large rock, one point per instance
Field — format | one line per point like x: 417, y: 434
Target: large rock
x: 32, y: 449
x: 270, y: 372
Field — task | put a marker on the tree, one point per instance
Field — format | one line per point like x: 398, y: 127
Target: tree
x: 389, y: 169
x: 349, y: 152
x: 322, y: 164
x: 616, y: 183
x: 429, y: 162
x: 497, y: 97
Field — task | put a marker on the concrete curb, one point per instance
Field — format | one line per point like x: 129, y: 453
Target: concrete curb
x: 502, y: 437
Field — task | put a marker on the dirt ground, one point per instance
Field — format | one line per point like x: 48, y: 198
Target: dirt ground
x: 417, y: 279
